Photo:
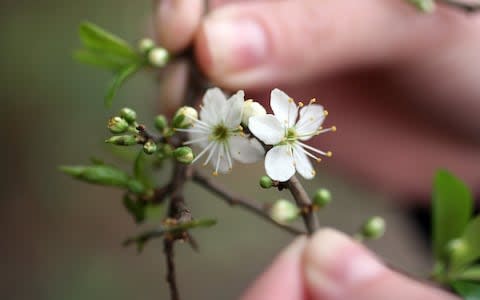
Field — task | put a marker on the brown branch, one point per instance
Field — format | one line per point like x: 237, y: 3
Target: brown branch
x: 304, y: 203
x: 467, y: 7
x: 235, y: 200
x: 171, y: 278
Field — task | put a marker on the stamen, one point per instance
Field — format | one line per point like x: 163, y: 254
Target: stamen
x: 203, y: 152
x: 196, y: 141
x: 312, y: 149
x: 229, y: 158
x: 300, y: 104
x: 325, y: 113
x: 317, y: 159
x: 219, y: 157
x: 211, y: 153
x: 313, y: 100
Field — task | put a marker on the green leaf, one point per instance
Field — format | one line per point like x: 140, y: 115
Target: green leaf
x: 120, y: 77
x: 468, y: 290
x: 471, y: 252
x: 140, y: 169
x: 96, y: 38
x: 471, y: 274
x: 98, y: 174
x: 452, y: 209
x: 101, y: 60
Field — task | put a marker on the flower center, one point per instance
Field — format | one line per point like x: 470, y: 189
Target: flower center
x: 220, y: 133
x: 291, y: 134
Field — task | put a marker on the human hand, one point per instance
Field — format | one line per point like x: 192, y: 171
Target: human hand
x: 401, y: 86
x: 330, y: 266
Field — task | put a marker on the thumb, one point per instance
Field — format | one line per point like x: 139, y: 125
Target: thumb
x: 335, y: 267
x: 256, y: 44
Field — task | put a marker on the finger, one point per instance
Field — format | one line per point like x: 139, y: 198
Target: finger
x: 260, y: 43
x: 176, y: 22
x: 335, y: 267
x: 282, y: 280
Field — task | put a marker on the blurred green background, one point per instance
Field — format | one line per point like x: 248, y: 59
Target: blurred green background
x: 61, y: 239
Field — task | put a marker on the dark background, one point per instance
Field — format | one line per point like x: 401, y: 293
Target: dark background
x: 61, y: 239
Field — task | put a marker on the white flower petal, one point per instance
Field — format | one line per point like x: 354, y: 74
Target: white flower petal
x: 283, y: 107
x: 246, y: 150
x: 198, y: 136
x: 232, y: 115
x: 214, y: 102
x: 279, y: 163
x: 311, y: 118
x: 267, y: 128
x: 219, y: 160
x: 302, y: 163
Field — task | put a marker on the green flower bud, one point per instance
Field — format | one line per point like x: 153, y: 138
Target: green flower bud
x: 150, y: 147
x: 117, y: 125
x: 322, y: 197
x: 252, y: 109
x: 373, y: 228
x: 183, y: 154
x: 122, y: 140
x: 161, y: 123
x: 158, y: 57
x: 283, y: 211
x: 185, y: 117
x: 128, y: 114
x: 145, y: 45
x: 427, y: 6
x: 457, y: 248
x: 266, y: 182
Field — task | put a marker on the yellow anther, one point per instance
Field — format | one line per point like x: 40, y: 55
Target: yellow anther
x: 314, y: 173
x: 313, y: 100
x: 240, y: 127
x: 318, y: 160
x: 325, y: 113
x: 215, y: 173
x: 300, y: 104
x: 329, y: 154
x: 334, y: 128
x: 290, y: 100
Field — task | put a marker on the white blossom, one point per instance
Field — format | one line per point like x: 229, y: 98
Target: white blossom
x: 219, y: 134
x: 252, y: 109
x: 287, y: 135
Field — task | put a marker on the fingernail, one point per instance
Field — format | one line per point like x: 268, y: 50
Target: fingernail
x: 234, y: 44
x: 334, y: 264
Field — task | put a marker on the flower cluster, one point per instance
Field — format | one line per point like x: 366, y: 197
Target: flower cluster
x: 223, y: 139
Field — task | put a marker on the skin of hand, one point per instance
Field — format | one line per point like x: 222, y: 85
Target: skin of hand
x: 330, y: 266
x: 401, y: 86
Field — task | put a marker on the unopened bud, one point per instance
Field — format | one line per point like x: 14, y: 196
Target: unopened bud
x: 145, y: 45
x: 161, y: 123
x: 128, y: 114
x: 283, y: 211
x: 427, y: 6
x: 150, y: 147
x: 373, y: 228
x: 252, y: 109
x: 456, y: 248
x: 322, y: 197
x: 122, y: 140
x: 117, y: 125
x: 158, y: 57
x: 185, y: 117
x: 183, y: 154
x: 266, y: 182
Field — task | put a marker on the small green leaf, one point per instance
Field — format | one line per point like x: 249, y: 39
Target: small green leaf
x: 140, y: 169
x: 467, y: 290
x: 452, y: 209
x: 98, y: 174
x: 101, y: 60
x: 96, y: 38
x: 120, y: 77
x: 137, y: 187
x: 471, y: 274
x: 471, y: 238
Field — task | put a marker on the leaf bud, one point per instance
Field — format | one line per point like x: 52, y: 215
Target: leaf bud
x: 161, y: 123
x: 283, y: 211
x: 145, y: 45
x: 149, y: 147
x: 456, y: 248
x: 185, y: 117
x: 117, y: 125
x: 252, y: 109
x: 266, y: 182
x: 183, y: 155
x: 373, y: 228
x: 128, y: 114
x: 322, y: 197
x: 158, y: 57
x: 122, y: 140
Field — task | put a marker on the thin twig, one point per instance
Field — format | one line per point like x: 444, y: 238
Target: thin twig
x: 241, y: 201
x: 304, y: 203
x: 171, y: 278
x: 467, y: 7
